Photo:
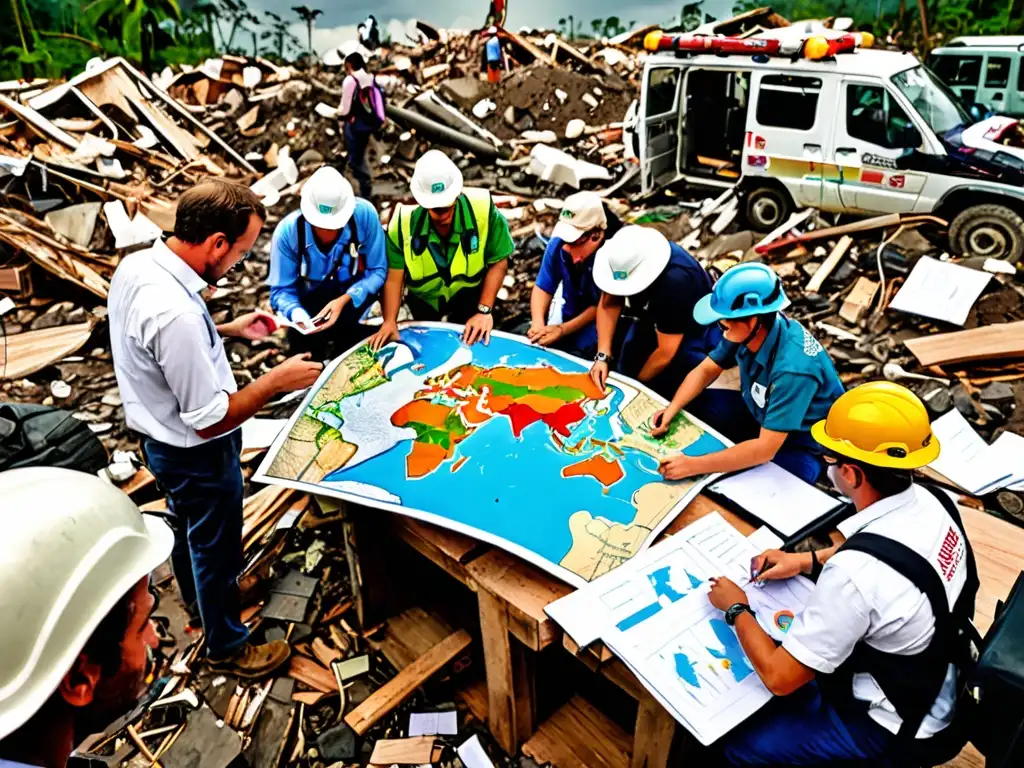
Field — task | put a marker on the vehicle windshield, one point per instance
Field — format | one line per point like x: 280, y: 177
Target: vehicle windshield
x: 932, y: 99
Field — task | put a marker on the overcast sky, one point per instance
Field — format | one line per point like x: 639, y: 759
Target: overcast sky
x: 339, y: 18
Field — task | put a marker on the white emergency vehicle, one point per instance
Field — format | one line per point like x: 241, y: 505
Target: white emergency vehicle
x: 984, y: 69
x: 865, y: 131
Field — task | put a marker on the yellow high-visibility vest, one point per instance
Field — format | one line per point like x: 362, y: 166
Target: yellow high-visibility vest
x: 424, y: 278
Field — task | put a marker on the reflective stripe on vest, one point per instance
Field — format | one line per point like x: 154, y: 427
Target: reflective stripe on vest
x: 424, y: 279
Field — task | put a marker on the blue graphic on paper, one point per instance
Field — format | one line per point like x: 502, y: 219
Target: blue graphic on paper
x: 662, y: 583
x: 685, y: 669
x: 731, y: 650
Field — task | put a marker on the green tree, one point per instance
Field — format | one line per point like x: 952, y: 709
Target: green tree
x: 598, y: 26
x: 308, y: 15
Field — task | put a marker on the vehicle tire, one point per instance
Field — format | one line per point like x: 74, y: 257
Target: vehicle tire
x: 988, y: 230
x: 765, y: 208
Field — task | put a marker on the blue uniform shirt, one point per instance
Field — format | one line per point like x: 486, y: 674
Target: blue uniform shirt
x: 790, y: 382
x: 669, y: 301
x: 493, y: 49
x: 290, y: 280
x: 577, y: 280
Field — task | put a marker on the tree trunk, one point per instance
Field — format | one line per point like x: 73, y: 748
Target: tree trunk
x: 922, y: 10
x: 309, y: 34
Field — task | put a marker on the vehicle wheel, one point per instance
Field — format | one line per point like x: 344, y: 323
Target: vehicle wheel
x: 765, y: 208
x: 994, y: 231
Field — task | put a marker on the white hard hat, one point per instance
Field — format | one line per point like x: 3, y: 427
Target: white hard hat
x: 327, y: 199
x: 436, y: 181
x: 72, y: 547
x: 631, y: 260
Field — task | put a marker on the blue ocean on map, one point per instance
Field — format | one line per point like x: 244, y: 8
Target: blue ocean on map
x: 522, y: 498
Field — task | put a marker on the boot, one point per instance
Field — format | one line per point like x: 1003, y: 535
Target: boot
x: 253, y: 661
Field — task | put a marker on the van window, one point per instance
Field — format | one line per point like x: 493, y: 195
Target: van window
x: 997, y: 72
x: 1020, y: 78
x: 662, y: 87
x: 872, y: 116
x: 785, y: 101
x: 957, y: 70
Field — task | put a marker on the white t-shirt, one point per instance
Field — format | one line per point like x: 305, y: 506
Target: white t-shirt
x: 857, y: 597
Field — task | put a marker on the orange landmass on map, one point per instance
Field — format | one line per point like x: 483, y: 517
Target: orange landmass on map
x: 424, y: 459
x: 606, y: 471
x: 422, y: 411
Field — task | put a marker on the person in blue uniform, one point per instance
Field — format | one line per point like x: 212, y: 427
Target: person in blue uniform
x: 787, y: 381
x: 583, y: 226
x: 328, y: 262
x: 644, y: 276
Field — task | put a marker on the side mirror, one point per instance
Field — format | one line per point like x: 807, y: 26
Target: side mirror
x: 979, y: 112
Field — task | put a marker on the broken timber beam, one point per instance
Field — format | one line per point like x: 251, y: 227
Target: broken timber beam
x: 859, y: 300
x: 864, y: 225
x: 442, y: 133
x: 989, y: 342
x: 828, y: 266
x: 404, y: 684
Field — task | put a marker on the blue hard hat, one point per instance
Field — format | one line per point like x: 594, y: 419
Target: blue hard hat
x: 743, y: 291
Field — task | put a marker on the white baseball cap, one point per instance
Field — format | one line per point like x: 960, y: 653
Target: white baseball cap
x: 327, y: 199
x: 581, y: 213
x: 436, y: 180
x: 631, y: 260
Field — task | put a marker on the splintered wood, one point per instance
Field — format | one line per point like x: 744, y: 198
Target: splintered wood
x: 386, y: 699
x: 27, y: 353
x: 989, y: 342
x: 578, y: 734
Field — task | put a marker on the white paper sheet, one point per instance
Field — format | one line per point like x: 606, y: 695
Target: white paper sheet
x: 968, y: 460
x: 940, y: 290
x: 433, y: 723
x: 1011, y: 446
x: 765, y: 538
x: 261, y: 433
x: 776, y: 497
x: 473, y: 755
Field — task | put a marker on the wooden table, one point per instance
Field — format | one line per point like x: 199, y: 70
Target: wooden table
x: 511, y: 596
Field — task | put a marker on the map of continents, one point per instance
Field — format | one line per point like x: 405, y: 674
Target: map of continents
x: 509, y: 442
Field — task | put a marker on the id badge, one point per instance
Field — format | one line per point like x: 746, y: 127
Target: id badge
x: 759, y: 394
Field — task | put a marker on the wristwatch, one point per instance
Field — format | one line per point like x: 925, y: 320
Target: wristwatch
x: 735, y: 610
x: 483, y: 309
x: 601, y: 357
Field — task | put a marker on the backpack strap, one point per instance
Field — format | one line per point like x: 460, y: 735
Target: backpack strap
x: 300, y: 224
x: 912, y: 566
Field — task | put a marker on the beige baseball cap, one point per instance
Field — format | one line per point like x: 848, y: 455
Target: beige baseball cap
x: 581, y: 213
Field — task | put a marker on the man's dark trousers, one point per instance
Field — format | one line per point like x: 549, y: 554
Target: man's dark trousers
x: 356, y: 140
x: 204, y: 496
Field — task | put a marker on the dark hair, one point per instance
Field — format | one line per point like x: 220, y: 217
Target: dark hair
x: 213, y: 206
x: 767, y: 320
x: 888, y: 482
x: 356, y: 61
x: 104, y: 645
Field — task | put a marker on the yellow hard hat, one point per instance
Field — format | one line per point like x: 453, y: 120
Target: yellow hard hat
x: 880, y: 423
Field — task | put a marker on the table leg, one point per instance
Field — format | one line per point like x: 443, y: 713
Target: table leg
x: 652, y: 740
x: 510, y: 688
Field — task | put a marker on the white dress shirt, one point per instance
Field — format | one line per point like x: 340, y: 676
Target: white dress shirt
x: 171, y: 367
x: 857, y: 597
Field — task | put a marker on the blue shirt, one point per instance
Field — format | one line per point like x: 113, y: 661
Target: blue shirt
x: 669, y: 301
x: 290, y: 279
x: 577, y: 280
x: 790, y: 382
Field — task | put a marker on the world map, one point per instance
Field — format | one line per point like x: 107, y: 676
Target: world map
x: 508, y: 442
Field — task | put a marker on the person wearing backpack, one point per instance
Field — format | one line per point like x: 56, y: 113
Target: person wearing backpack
x: 327, y: 264
x: 362, y: 110
x: 872, y: 669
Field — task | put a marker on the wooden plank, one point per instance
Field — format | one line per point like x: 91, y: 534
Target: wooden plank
x: 859, y: 300
x: 27, y: 353
x: 404, y: 684
x: 501, y: 709
x: 16, y: 281
x: 63, y: 261
x: 307, y: 671
x: 324, y: 653
x: 579, y: 735
x: 999, y: 549
x: 415, y: 751
x: 652, y: 741
x: 828, y: 266
x: 409, y: 635
x: 474, y: 696
x: 526, y: 589
x: 445, y: 549
x: 990, y: 342
x: 701, y: 506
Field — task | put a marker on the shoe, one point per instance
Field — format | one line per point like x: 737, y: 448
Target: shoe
x: 254, y: 661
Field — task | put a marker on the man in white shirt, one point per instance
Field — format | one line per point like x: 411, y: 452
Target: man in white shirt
x: 179, y: 393
x: 868, y: 670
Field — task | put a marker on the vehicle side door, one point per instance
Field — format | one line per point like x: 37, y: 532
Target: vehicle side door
x: 659, y: 125
x: 873, y: 133
x: 995, y: 81
x: 1015, y: 105
x: 789, y: 131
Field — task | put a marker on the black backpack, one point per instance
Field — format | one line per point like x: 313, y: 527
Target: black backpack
x: 39, y: 436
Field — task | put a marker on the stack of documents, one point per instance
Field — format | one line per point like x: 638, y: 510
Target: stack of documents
x: 970, y: 462
x: 653, y: 613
